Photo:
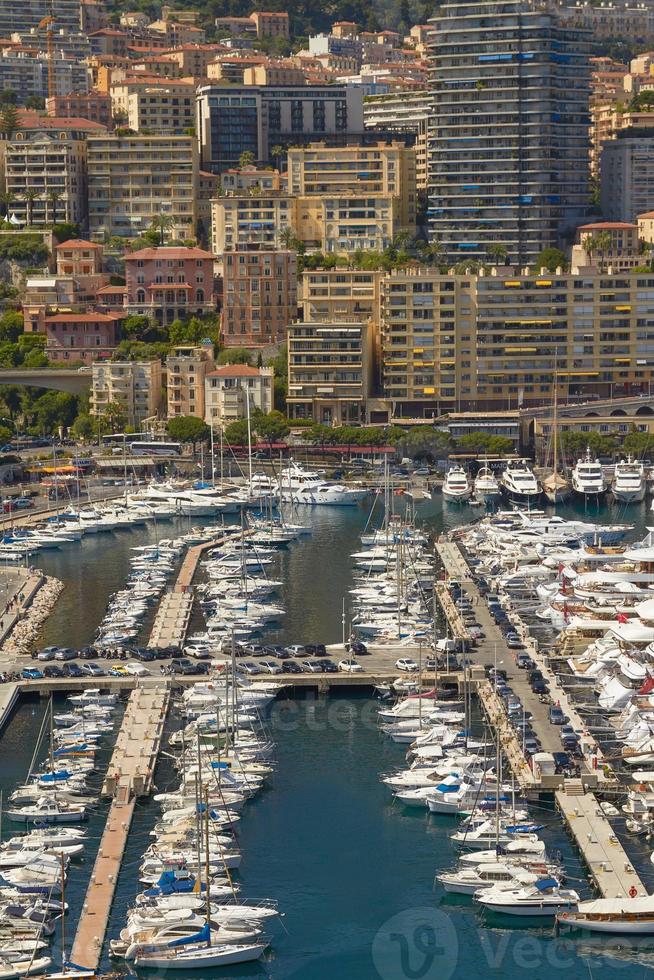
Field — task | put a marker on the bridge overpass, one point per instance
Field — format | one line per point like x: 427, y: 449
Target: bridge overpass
x: 73, y: 381
x: 630, y: 405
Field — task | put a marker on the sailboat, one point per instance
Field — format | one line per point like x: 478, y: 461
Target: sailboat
x: 556, y: 486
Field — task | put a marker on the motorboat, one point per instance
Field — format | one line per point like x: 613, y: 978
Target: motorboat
x: 46, y: 811
x: 588, y: 478
x: 298, y: 485
x: 629, y: 482
x: 456, y: 486
x: 518, y: 482
x: 543, y: 899
x: 470, y: 880
x: 486, y: 487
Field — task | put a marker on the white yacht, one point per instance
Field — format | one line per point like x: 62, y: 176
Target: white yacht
x: 588, y: 478
x: 456, y: 488
x: 298, y: 485
x: 629, y: 481
x: 519, y: 483
x: 545, y: 898
x: 486, y: 486
x: 469, y: 881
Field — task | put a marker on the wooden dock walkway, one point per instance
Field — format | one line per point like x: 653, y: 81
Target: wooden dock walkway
x: 610, y: 869
x: 129, y: 776
x: 172, y: 620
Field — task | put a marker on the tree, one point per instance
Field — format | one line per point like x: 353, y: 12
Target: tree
x: 9, y: 120
x: 83, y: 428
x: 30, y: 196
x: 6, y: 200
x: 321, y: 435
x: 642, y: 102
x: 431, y: 252
x: 236, y: 433
x: 599, y: 242
x: 638, y: 443
x: 115, y: 417
x: 277, y: 152
x: 497, y: 253
x: 234, y: 355
x: 11, y: 326
x: 54, y: 197
x: 188, y: 428
x: 424, y: 442
x: 35, y: 102
x: 247, y: 159
x: 161, y: 223
x: 271, y: 428
x: 551, y: 259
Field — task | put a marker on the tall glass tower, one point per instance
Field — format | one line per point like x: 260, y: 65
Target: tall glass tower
x: 508, y: 132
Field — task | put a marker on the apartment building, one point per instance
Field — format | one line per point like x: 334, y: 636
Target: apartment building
x: 155, y: 105
x: 229, y: 389
x: 246, y: 178
x: 135, y: 385
x: 83, y: 261
x: 489, y: 342
x: 402, y: 112
x: 381, y: 169
x: 340, y: 294
x: 169, y: 283
x: 508, y: 131
x: 627, y: 175
x: 249, y: 220
x: 330, y: 370
x: 233, y: 119
x: 271, y: 23
x: 24, y: 16
x: 26, y: 73
x: 133, y: 179
x: 344, y: 224
x: 259, y: 296
x: 45, y: 169
x: 92, y: 105
x: 85, y: 337
x: 186, y: 370
x: 618, y: 247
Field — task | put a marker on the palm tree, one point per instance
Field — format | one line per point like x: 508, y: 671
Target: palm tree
x: 600, y: 242
x: 30, y: 196
x: 162, y: 223
x: 277, y: 152
x: 497, y: 253
x: 6, y: 199
x: 431, y: 251
x: 54, y: 197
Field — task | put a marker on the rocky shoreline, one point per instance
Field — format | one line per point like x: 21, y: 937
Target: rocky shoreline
x: 31, y: 615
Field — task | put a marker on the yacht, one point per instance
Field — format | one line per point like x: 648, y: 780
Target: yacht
x: 519, y: 483
x: 486, y: 486
x: 545, y: 898
x: 456, y: 488
x: 612, y: 915
x: 298, y: 485
x: 629, y: 481
x: 587, y: 478
x: 468, y: 880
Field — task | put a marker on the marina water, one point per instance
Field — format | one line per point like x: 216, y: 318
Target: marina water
x: 352, y: 872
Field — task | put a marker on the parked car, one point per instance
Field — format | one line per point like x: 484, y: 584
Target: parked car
x: 328, y: 666
x: 92, y: 670
x: 350, y: 667
x: 44, y: 656
x: 117, y: 670
x: 72, y: 670
x: 357, y: 648
x: 66, y: 654
x: 556, y: 715
x: 136, y: 669
x: 540, y: 687
x: 245, y: 667
x: 406, y: 664
x: 31, y: 674
x: 52, y: 671
x: 292, y: 667
x: 270, y: 667
x: 312, y: 666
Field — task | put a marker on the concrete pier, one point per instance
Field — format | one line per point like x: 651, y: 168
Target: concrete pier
x: 172, y: 620
x: 129, y: 776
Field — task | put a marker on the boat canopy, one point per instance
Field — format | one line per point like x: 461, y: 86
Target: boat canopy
x: 202, y: 936
x: 545, y: 883
x: 633, y: 632
x: 618, y: 906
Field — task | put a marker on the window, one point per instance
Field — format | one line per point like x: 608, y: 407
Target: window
x: 140, y: 296
x: 199, y: 295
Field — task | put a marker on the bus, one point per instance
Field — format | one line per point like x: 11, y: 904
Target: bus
x: 155, y: 448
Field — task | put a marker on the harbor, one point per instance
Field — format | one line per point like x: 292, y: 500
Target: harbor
x: 335, y: 717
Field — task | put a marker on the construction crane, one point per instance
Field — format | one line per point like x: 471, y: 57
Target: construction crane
x: 48, y: 23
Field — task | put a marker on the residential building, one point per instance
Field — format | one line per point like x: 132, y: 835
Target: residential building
x: 340, y: 294
x: 489, y: 342
x: 330, y: 370
x: 259, y: 296
x: 155, y: 105
x: 45, y: 169
x: 402, y: 112
x: 229, y: 389
x: 133, y: 179
x: 381, y: 169
x: 186, y: 370
x: 508, y: 134
x: 646, y: 227
x: 231, y: 120
x: 92, y: 105
x: 243, y: 220
x: 237, y: 26
x: 246, y: 178
x: 609, y: 245
x: 633, y: 22
x: 83, y: 261
x: 627, y: 175
x: 24, y: 16
x: 135, y: 385
x: 277, y: 72
x: 169, y: 283
x: 340, y: 225
x: 26, y: 73
x: 85, y: 337
x: 192, y: 59
x: 270, y: 24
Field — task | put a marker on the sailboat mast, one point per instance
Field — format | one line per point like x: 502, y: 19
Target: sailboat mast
x: 206, y: 863
x: 63, y: 912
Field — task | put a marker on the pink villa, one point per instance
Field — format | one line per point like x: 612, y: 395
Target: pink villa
x: 85, y: 337
x: 167, y: 283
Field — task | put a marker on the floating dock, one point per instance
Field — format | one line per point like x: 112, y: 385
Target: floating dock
x: 172, y: 620
x: 129, y: 776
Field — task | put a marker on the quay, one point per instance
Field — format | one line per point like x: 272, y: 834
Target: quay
x: 608, y: 864
x: 129, y: 776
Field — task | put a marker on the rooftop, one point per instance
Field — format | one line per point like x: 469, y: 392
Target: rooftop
x: 78, y: 243
x: 235, y: 371
x: 169, y: 253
